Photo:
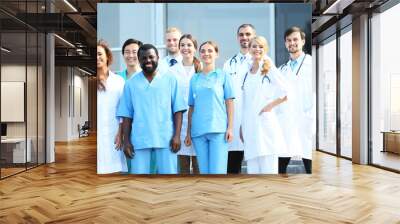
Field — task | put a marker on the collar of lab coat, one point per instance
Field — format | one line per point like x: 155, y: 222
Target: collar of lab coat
x: 239, y: 55
x: 299, y: 59
x: 178, y: 58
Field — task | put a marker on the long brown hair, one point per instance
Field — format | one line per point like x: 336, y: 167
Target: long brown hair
x: 101, y: 43
x: 109, y: 55
x: 266, y: 63
x: 196, y: 61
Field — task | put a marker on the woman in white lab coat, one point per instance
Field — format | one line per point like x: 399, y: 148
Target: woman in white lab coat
x: 110, y: 158
x: 262, y: 91
x: 184, y: 71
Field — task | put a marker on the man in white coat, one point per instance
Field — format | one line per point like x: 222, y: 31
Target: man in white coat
x: 297, y: 115
x: 172, y: 36
x: 236, y: 66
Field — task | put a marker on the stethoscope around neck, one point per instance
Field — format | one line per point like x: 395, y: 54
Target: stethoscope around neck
x: 262, y: 81
x: 301, y: 64
x: 235, y: 61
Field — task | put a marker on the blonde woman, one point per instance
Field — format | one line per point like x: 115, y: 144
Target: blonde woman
x: 260, y: 130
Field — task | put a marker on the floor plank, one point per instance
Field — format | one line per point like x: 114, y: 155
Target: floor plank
x: 70, y: 191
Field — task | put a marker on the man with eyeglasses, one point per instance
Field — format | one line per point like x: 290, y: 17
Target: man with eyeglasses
x: 236, y: 66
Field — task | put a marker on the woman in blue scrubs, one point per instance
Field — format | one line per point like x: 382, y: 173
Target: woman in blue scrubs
x: 210, y: 117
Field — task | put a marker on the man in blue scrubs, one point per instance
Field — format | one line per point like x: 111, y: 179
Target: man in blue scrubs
x: 151, y: 108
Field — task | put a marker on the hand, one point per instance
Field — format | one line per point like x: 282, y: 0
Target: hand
x: 129, y: 151
x: 241, y: 134
x: 118, y: 141
x: 175, y: 144
x: 229, y: 135
x: 188, y: 140
x: 267, y: 108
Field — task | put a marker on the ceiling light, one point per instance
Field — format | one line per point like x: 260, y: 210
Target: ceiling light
x: 86, y: 72
x: 65, y: 41
x: 338, y: 6
x: 71, y: 6
x: 5, y: 50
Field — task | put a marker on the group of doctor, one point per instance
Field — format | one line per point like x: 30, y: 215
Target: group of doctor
x: 248, y: 110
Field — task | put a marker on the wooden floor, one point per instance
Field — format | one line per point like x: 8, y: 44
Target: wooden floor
x: 69, y: 191
x: 386, y: 159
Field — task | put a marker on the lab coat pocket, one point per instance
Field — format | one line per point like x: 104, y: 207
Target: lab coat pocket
x: 266, y: 119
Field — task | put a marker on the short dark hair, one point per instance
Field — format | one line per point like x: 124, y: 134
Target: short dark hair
x: 146, y: 47
x: 294, y: 29
x: 245, y: 25
x: 131, y: 41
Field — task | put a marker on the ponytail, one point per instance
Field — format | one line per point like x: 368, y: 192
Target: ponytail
x: 197, y: 65
x: 265, y: 67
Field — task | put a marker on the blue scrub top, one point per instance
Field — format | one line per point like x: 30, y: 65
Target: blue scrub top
x: 151, y: 106
x: 207, y: 95
x: 124, y: 74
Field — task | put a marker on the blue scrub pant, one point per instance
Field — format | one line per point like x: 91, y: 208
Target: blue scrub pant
x: 212, y: 153
x: 165, y: 159
x: 153, y: 167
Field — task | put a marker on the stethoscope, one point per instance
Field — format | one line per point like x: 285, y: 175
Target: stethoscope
x: 234, y: 60
x: 262, y: 81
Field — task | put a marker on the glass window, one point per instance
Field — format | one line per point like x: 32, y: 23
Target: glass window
x: 385, y: 84
x: 13, y: 84
x: 327, y: 96
x: 346, y: 94
x: 22, y: 91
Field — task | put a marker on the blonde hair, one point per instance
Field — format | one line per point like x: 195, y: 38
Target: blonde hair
x: 264, y: 43
x: 173, y: 30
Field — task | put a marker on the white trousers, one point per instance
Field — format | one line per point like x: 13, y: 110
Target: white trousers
x: 263, y: 165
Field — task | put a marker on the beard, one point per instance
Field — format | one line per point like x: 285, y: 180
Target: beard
x: 244, y: 44
x: 150, y: 70
x: 293, y: 50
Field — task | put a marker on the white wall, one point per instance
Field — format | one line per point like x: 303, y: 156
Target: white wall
x: 71, y: 93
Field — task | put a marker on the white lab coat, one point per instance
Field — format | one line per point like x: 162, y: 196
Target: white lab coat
x: 184, y: 81
x: 109, y: 160
x: 262, y: 134
x: 237, y: 68
x: 163, y: 64
x: 297, y: 115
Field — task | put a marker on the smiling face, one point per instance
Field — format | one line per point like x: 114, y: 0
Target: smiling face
x: 293, y: 42
x: 172, y: 40
x: 148, y: 60
x: 258, y: 48
x: 244, y: 36
x: 208, y: 53
x: 187, y: 48
x: 130, y: 55
x: 101, y: 57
